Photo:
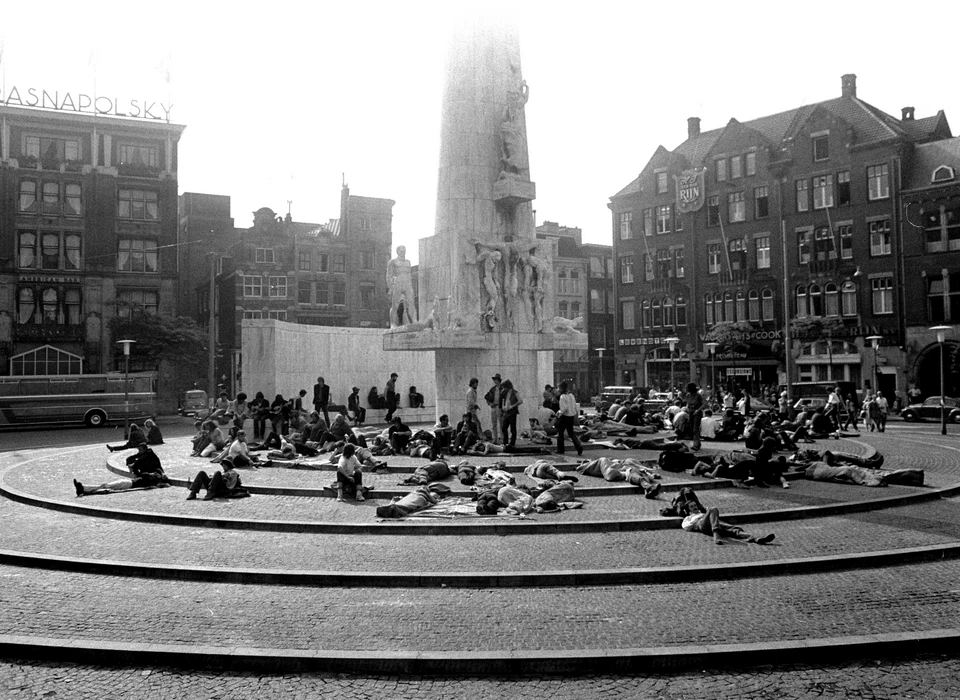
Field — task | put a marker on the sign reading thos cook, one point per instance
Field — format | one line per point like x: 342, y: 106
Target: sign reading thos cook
x: 80, y: 102
x: 690, y: 191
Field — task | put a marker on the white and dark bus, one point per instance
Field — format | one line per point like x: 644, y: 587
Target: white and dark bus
x: 77, y: 399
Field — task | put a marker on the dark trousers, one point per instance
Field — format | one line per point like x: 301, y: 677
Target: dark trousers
x: 214, y: 485
x: 359, y: 415
x: 348, y: 485
x: 509, y: 428
x: 322, y: 408
x: 393, y: 401
x: 565, y: 424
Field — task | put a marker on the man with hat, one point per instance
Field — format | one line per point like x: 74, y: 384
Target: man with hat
x: 493, y: 399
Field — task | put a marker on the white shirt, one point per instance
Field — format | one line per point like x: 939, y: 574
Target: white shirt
x: 568, y: 404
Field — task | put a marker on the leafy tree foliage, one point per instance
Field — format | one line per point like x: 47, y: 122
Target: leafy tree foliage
x: 732, y: 335
x: 177, y: 340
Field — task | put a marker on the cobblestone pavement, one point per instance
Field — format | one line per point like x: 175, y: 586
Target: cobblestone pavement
x: 116, y: 609
x: 925, y: 677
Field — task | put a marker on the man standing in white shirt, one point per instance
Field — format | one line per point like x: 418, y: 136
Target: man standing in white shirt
x: 883, y: 407
x: 566, y: 419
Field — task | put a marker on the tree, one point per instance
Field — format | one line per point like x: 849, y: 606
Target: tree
x: 731, y: 335
x: 177, y: 340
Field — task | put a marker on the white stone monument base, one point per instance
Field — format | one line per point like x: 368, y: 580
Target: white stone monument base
x: 529, y: 370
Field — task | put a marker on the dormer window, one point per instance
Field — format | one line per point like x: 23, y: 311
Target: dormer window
x: 942, y: 174
x: 821, y: 147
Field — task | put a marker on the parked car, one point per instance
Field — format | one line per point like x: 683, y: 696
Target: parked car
x: 930, y: 410
x: 194, y: 402
x: 609, y: 394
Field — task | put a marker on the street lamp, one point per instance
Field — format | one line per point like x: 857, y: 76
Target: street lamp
x: 126, y: 385
x: 712, y: 347
x: 600, y: 370
x: 672, y: 342
x: 875, y: 342
x: 941, y: 332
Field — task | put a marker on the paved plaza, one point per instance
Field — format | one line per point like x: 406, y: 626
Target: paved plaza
x: 292, y: 594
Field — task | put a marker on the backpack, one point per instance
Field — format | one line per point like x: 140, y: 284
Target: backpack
x: 677, y: 461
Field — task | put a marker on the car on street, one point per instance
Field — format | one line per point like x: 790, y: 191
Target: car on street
x: 930, y: 410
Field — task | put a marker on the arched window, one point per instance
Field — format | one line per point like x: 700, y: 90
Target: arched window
x: 657, y: 314
x: 26, y: 305
x: 708, y: 310
x: 754, y: 304
x: 815, y: 300
x: 848, y: 301
x: 51, y: 306
x: 718, y: 307
x: 681, y: 311
x: 728, y: 306
x: 767, y: 295
x: 831, y: 300
x: 802, y: 309
x: 668, y: 312
x: 741, y: 306
x: 645, y: 314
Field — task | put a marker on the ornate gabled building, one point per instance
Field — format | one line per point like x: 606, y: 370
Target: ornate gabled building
x: 331, y: 274
x: 789, y: 221
x: 88, y: 230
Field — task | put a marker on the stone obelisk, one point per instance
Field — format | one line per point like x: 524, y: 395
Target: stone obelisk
x: 485, y: 280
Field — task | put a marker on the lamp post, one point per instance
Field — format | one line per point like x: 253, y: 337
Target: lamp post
x: 875, y: 342
x: 712, y: 347
x: 672, y: 342
x: 941, y: 332
x: 600, y: 369
x: 126, y: 385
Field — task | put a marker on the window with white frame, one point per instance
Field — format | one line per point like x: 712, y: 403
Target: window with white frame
x: 626, y: 225
x: 848, y: 299
x: 736, y: 168
x: 646, y: 321
x: 720, y: 169
x: 648, y: 271
x: 802, y: 309
x: 681, y: 311
x: 878, y: 182
x: 139, y: 155
x: 843, y: 188
x: 668, y: 312
x: 137, y: 300
x: 252, y: 286
x: 879, y: 237
x: 738, y: 254
x: 882, y: 292
x: 821, y: 147
x: 815, y: 300
x: 48, y: 250
x: 767, y: 299
x: 708, y: 316
x: 278, y: 286
x: 648, y: 222
x: 51, y: 150
x: 762, y: 246
x: 736, y: 207
x: 831, y: 297
x: 48, y: 304
x: 140, y: 205
x: 626, y: 269
x: 657, y: 313
x: 137, y: 255
x: 803, y: 195
x: 713, y: 258
x: 845, y: 231
x: 278, y: 315
x: 823, y: 244
x: 662, y: 183
x: 596, y: 301
x: 751, y: 163
x: 823, y: 191
x: 761, y: 202
x: 252, y: 315
x: 264, y: 255
x: 664, y: 264
x: 678, y: 262
x: 664, y: 216
x: 728, y: 311
x: 804, y: 238
x: 753, y: 303
x: 741, y: 306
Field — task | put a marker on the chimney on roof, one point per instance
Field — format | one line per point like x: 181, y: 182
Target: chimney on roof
x: 848, y: 84
x: 906, y: 114
x: 693, y: 127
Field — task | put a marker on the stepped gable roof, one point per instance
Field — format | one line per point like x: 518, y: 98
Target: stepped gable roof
x: 927, y: 157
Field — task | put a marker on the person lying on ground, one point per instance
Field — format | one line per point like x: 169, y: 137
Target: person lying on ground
x: 418, y: 499
x: 698, y: 518
x: 144, y: 481
x: 554, y: 497
x: 433, y: 471
x: 659, y: 444
x: 862, y: 476
x: 542, y: 469
x: 515, y: 500
x: 135, y: 437
x: 629, y: 470
x: 223, y: 484
x: 483, y: 448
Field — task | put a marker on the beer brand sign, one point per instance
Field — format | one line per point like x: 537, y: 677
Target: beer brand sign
x: 690, y: 190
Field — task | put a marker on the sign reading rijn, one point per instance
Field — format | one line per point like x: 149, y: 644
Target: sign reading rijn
x: 690, y: 190
x: 81, y: 102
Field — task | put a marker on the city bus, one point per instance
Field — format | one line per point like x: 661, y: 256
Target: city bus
x: 77, y: 399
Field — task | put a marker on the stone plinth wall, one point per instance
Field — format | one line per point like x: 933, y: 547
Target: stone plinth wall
x: 282, y: 358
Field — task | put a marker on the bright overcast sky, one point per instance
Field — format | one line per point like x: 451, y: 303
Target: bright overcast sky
x: 280, y: 99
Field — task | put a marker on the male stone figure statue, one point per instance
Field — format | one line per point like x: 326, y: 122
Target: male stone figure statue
x: 403, y: 309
